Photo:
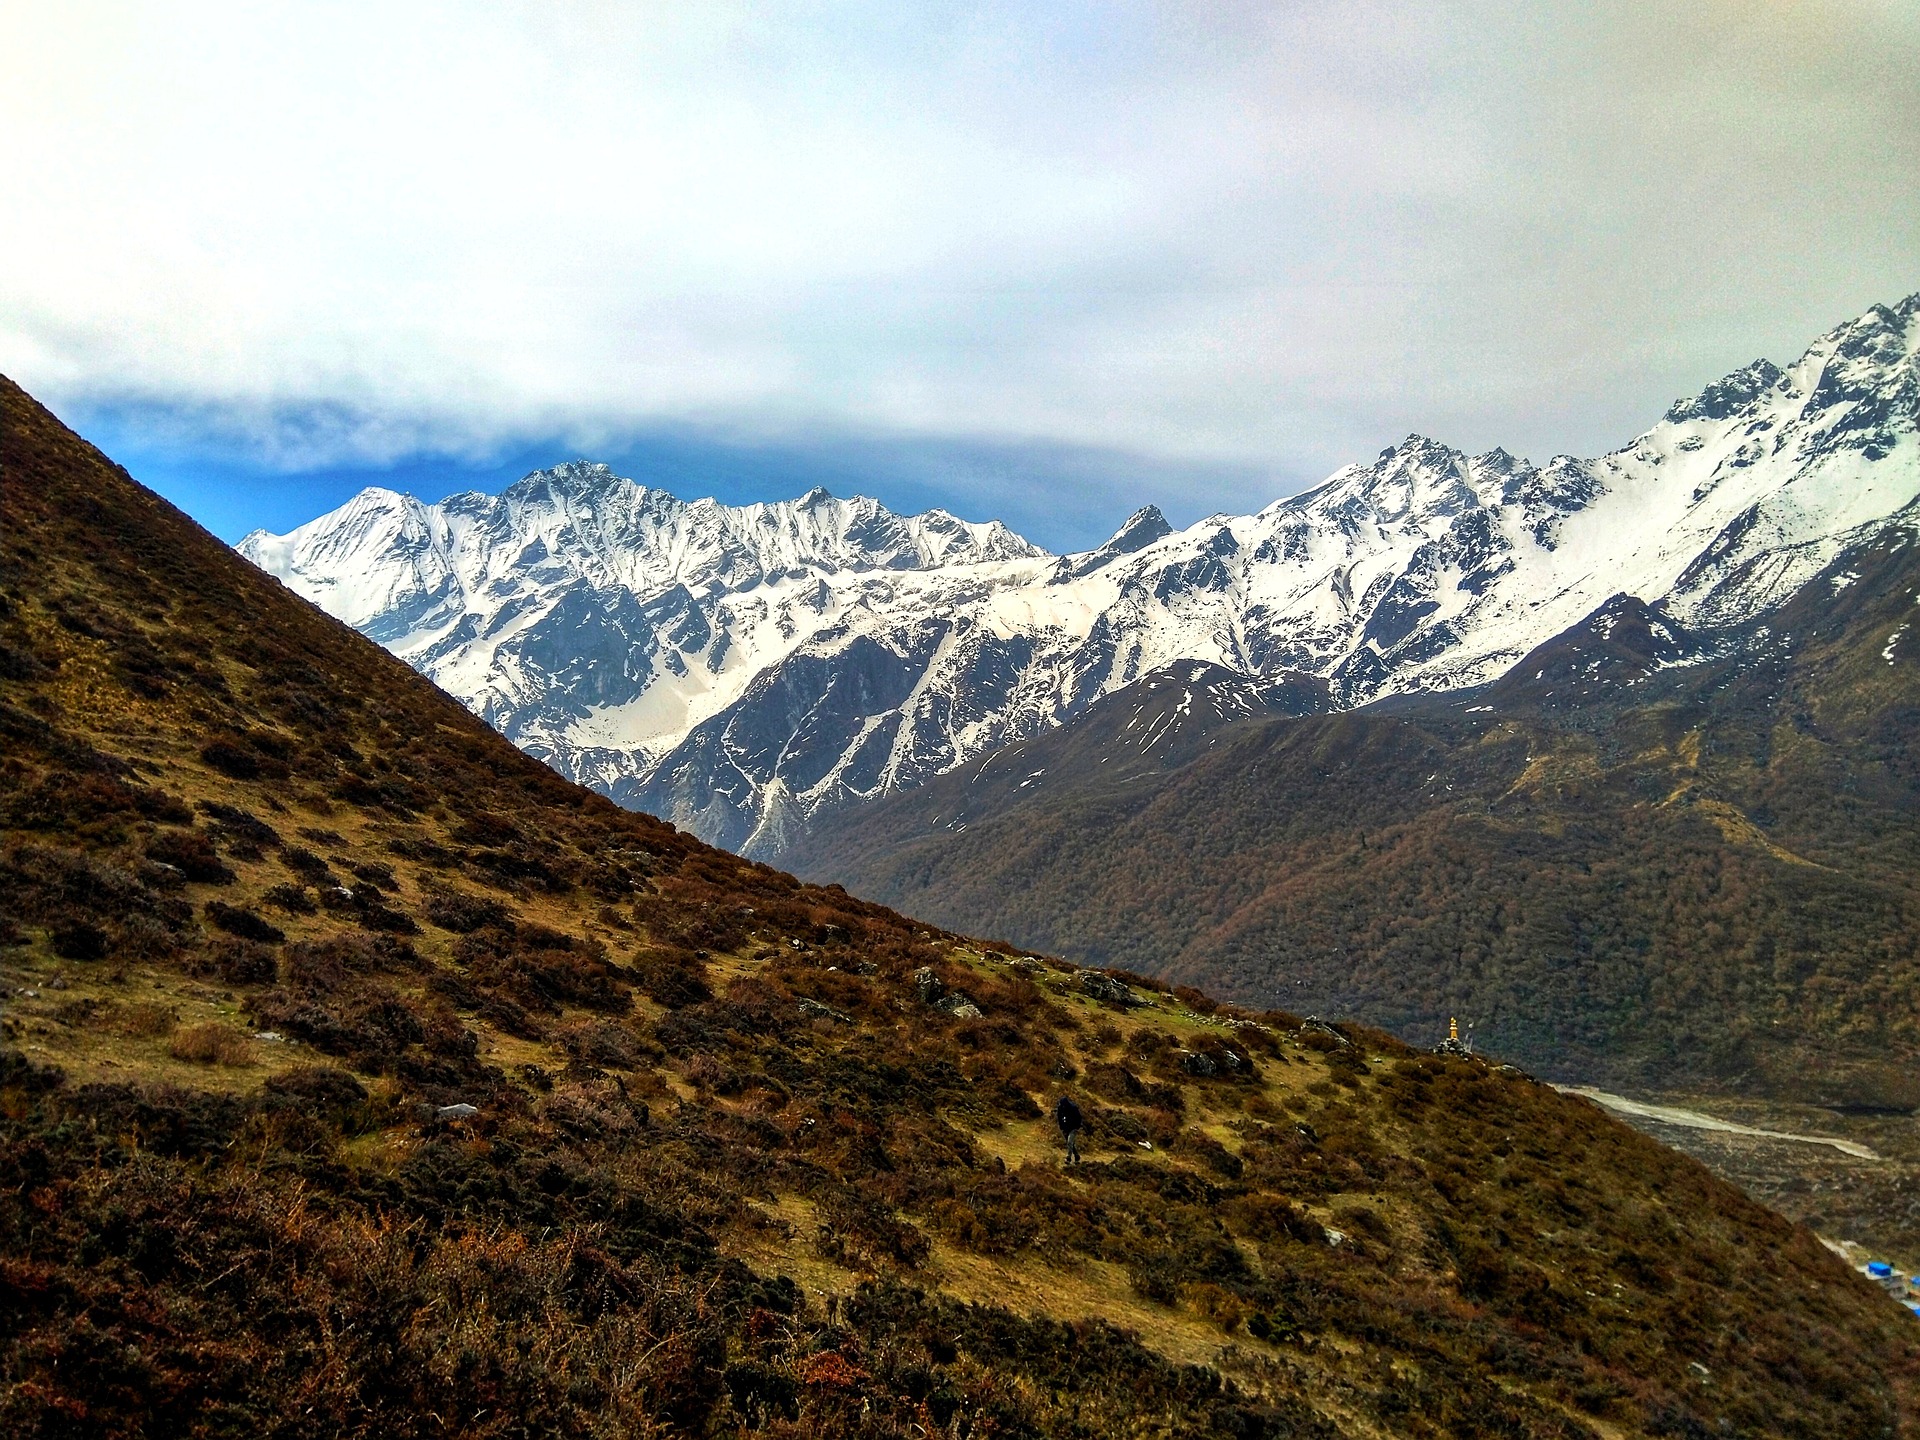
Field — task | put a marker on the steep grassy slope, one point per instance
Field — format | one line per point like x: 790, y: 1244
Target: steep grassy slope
x: 743, y: 1155
x: 1621, y: 867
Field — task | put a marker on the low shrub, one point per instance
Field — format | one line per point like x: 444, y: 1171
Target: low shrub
x: 79, y: 940
x: 210, y: 1044
x: 236, y: 920
x: 190, y: 852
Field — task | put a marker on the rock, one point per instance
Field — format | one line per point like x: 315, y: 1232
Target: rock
x: 1194, y: 1063
x: 1108, y: 989
x: 462, y: 1111
x: 933, y: 992
x: 814, y: 1010
x: 1320, y: 1027
x: 959, y: 1005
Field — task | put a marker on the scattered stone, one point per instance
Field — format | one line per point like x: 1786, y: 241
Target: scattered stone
x: 814, y: 1010
x: 272, y: 1037
x: 462, y: 1111
x: 1194, y: 1063
x: 933, y: 992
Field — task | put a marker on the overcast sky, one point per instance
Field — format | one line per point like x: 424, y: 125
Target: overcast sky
x: 1040, y: 262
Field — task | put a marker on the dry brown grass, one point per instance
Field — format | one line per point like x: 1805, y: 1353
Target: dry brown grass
x: 210, y: 1044
x: 143, y: 1021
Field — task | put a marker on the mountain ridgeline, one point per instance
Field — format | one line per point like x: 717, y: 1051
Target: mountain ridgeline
x: 745, y: 672
x: 359, y: 1075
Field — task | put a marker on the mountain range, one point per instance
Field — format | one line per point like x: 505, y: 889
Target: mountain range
x: 745, y: 672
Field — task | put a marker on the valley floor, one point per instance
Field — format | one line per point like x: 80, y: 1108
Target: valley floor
x: 1852, y: 1177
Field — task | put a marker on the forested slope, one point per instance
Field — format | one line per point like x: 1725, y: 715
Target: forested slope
x: 1640, y: 856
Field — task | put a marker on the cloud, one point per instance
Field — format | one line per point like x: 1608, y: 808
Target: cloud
x: 1217, y: 245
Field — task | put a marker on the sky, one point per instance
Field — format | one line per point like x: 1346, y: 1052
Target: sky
x: 1038, y: 263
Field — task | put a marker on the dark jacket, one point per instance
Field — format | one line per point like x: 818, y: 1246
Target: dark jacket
x: 1067, y: 1115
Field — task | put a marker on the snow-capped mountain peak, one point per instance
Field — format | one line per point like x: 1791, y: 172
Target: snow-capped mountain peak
x: 740, y: 668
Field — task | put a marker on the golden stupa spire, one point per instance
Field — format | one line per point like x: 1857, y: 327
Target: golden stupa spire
x: 1453, y: 1028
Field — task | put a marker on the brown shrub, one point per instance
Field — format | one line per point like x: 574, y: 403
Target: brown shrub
x: 463, y: 913
x: 672, y: 978
x: 244, y: 962
x: 190, y: 852
x: 210, y: 1044
x: 242, y: 922
x: 294, y: 899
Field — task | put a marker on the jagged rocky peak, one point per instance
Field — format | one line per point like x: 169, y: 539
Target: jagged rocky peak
x: 1873, y: 354
x: 571, y: 478
x: 1141, y: 529
x: 1418, y: 477
x: 1498, y: 462
x: 1144, y: 528
x: 1724, y: 397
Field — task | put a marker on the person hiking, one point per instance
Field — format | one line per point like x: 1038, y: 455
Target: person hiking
x: 1067, y: 1116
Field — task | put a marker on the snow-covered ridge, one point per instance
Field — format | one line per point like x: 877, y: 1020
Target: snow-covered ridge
x: 738, y: 669
x: 382, y: 551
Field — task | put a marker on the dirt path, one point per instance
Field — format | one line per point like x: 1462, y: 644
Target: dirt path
x: 1694, y: 1120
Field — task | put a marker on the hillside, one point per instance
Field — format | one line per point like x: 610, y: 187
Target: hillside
x: 747, y: 671
x: 362, y: 1076
x: 1642, y: 856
